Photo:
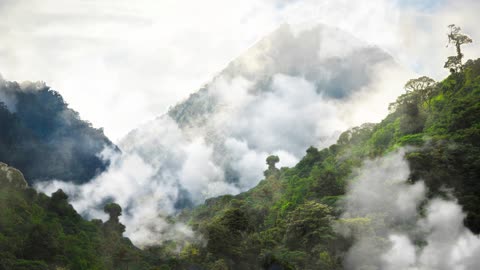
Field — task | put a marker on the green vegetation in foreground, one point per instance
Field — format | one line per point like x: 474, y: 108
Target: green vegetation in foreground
x: 38, y: 232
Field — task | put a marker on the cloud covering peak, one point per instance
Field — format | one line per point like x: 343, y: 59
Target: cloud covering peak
x: 294, y: 89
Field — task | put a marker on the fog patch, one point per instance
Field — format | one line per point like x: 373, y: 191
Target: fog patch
x: 399, y: 235
x: 148, y: 183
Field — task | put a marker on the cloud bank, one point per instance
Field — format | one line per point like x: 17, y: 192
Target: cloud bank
x: 401, y: 235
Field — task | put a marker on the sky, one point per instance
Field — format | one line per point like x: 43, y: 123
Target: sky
x: 121, y: 65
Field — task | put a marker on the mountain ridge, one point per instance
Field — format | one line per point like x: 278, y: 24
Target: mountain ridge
x: 46, y: 139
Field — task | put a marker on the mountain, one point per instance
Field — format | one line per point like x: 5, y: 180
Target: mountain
x: 401, y: 193
x: 44, y: 138
x: 320, y: 54
x: 297, y: 87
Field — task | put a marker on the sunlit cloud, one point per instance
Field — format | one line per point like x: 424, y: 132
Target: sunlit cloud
x: 120, y: 64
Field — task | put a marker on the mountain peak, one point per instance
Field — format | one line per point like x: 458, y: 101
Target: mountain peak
x: 264, y: 102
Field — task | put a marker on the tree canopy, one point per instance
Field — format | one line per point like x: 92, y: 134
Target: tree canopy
x: 457, y: 39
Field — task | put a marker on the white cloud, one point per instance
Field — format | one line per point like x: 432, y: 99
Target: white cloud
x: 380, y: 192
x: 121, y: 64
x: 200, y: 176
x: 401, y: 255
x: 148, y: 181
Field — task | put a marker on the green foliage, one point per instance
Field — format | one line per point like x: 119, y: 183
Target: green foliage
x: 308, y: 225
x: 272, y: 160
x: 291, y: 215
x: 272, y: 171
x: 457, y: 39
x: 40, y: 232
x: 45, y: 139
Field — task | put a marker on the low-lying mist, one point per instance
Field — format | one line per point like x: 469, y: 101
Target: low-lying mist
x: 406, y: 230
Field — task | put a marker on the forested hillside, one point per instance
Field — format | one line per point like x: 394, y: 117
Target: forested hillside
x: 38, y: 232
x: 43, y: 137
x: 287, y: 221
x: 247, y: 110
x: 291, y: 219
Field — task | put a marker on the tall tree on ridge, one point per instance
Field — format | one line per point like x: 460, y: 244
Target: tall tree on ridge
x: 456, y: 38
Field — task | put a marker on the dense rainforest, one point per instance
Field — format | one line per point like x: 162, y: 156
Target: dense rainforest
x: 286, y: 221
x: 289, y: 220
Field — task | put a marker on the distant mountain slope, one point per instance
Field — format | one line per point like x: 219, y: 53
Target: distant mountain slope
x: 303, y: 217
x: 299, y: 86
x: 44, y: 138
x: 336, y: 63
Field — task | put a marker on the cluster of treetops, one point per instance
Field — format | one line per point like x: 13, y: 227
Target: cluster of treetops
x: 287, y: 221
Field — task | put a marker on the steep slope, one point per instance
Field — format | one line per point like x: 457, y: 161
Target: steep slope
x: 321, y: 55
x: 38, y: 232
x: 291, y: 220
x: 295, y: 88
x: 44, y: 138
